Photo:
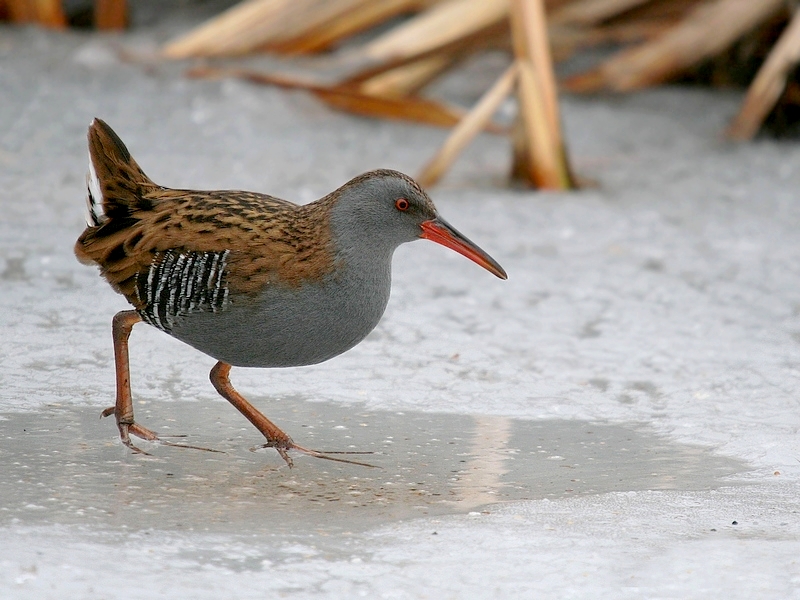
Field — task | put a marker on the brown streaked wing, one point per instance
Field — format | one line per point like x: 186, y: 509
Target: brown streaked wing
x: 268, y: 239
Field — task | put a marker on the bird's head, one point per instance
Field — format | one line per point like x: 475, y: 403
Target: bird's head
x: 389, y: 208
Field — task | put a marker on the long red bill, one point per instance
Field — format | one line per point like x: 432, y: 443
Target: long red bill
x: 440, y: 231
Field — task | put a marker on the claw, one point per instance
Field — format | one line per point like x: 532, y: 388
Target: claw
x: 124, y: 435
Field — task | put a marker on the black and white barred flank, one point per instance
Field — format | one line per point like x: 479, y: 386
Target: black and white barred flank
x: 179, y: 283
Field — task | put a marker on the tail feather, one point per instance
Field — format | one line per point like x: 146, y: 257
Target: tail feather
x: 94, y: 198
x: 117, y: 190
x: 115, y: 182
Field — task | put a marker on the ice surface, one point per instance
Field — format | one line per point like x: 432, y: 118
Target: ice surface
x: 660, y: 310
x: 426, y: 464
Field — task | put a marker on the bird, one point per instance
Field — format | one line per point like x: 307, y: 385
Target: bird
x: 246, y: 278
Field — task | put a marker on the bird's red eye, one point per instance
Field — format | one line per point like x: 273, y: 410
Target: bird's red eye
x: 401, y: 204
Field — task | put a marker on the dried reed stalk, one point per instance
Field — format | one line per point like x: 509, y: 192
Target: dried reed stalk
x: 468, y: 128
x: 436, y: 28
x: 288, y: 26
x: 566, y: 41
x: 48, y: 13
x: 592, y: 12
x: 493, y: 36
x: 540, y: 158
x: 410, y: 108
x: 769, y: 84
x: 344, y: 20
x: 408, y: 78
x: 707, y: 30
x: 110, y: 14
x: 237, y: 30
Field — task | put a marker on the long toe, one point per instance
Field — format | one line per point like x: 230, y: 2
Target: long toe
x: 152, y: 436
x: 143, y: 432
x: 327, y: 456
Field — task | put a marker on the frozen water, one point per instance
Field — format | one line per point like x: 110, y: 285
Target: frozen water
x: 427, y: 464
x: 660, y: 310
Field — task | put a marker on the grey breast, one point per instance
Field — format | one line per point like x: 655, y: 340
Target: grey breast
x: 292, y: 326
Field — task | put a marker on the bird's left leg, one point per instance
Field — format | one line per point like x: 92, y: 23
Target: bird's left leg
x: 276, y: 437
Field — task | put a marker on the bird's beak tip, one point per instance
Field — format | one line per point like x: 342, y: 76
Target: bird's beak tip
x: 439, y: 231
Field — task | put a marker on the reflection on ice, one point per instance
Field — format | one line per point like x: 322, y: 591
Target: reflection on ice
x: 64, y: 465
x: 482, y: 477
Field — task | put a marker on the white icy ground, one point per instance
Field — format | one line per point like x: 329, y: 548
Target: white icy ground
x: 664, y: 302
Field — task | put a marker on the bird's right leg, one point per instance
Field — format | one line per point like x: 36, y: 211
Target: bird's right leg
x: 121, y: 327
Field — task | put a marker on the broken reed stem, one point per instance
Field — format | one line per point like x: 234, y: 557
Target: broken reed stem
x: 350, y: 99
x: 439, y: 26
x: 286, y: 26
x: 344, y: 18
x: 110, y: 14
x: 457, y: 49
x: 537, y: 160
x: 592, y: 12
x: 531, y: 14
x: 48, y: 13
x: 408, y: 78
x: 769, y: 83
x: 236, y: 30
x: 540, y: 158
x: 469, y: 127
x: 707, y: 30
x: 566, y: 41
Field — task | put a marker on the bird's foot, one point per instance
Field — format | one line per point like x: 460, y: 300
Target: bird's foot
x: 283, y: 447
x: 128, y: 429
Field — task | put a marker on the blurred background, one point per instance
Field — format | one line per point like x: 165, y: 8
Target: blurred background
x: 381, y: 58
